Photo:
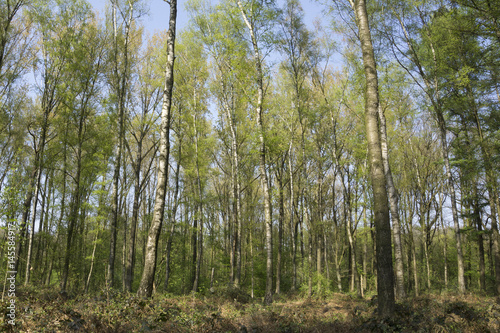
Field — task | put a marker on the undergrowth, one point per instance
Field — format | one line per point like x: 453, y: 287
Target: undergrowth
x: 231, y: 310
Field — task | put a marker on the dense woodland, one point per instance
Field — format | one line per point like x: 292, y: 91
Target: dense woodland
x: 268, y: 157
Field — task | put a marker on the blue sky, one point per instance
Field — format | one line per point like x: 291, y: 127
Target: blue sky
x: 157, y: 18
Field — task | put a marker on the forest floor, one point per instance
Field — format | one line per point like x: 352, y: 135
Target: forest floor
x: 230, y: 311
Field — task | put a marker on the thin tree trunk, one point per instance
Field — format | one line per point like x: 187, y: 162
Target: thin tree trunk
x: 337, y: 239
x: 87, y: 284
x: 48, y: 222
x: 427, y: 264
x: 394, y: 207
x: 414, y: 260
x: 48, y: 104
x: 124, y: 213
x: 232, y: 231
x: 32, y: 231
x: 251, y: 264
x: 61, y: 212
x: 73, y: 216
x: 268, y: 298
x: 147, y: 280
x: 305, y: 213
x: 171, y: 216
x: 385, y: 273
x: 280, y: 229
x: 454, y: 210
x: 42, y: 248
x: 320, y: 226
x: 293, y: 233
x: 116, y: 175
x: 199, y: 205
x: 310, y: 262
x: 121, y: 86
x: 349, y: 229
x: 326, y: 253
x: 365, y: 247
x: 445, y: 246
x: 237, y: 223
x: 480, y: 241
x: 130, y: 263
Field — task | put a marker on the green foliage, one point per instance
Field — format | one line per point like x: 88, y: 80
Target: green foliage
x: 443, y: 58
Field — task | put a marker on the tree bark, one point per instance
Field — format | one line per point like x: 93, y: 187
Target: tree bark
x: 147, y: 280
x: 268, y: 298
x: 394, y: 208
x: 130, y: 261
x: 237, y: 223
x: 121, y: 92
x: 293, y: 228
x: 454, y: 210
x: 171, y: 217
x: 73, y: 214
x: 281, y: 201
x: 199, y: 206
x: 385, y: 282
x: 445, y: 246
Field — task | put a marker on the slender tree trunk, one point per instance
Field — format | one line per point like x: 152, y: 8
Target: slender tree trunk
x: 199, y: 205
x: 480, y: 241
x: 385, y: 281
x: 237, y: 223
x: 454, y: 210
x: 251, y: 264
x: 349, y: 230
x: 121, y: 82
x: 445, y: 245
x: 32, y: 230
x: 394, y: 207
x: 293, y: 233
x: 445, y: 255
x: 41, y: 247
x: 87, y: 284
x: 326, y: 253
x: 427, y: 264
x: 171, y: 216
x: 116, y: 175
x: 365, y: 246
x: 48, y: 104
x: 310, y: 262
x: 414, y: 260
x: 61, y: 212
x: 130, y: 263
x: 268, y: 298
x: 72, y: 217
x: 194, y: 246
x: 281, y: 219
x: 232, y: 231
x: 304, y: 195
x: 336, y: 238
x: 319, y: 227
x: 147, y: 280
x: 48, y: 223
